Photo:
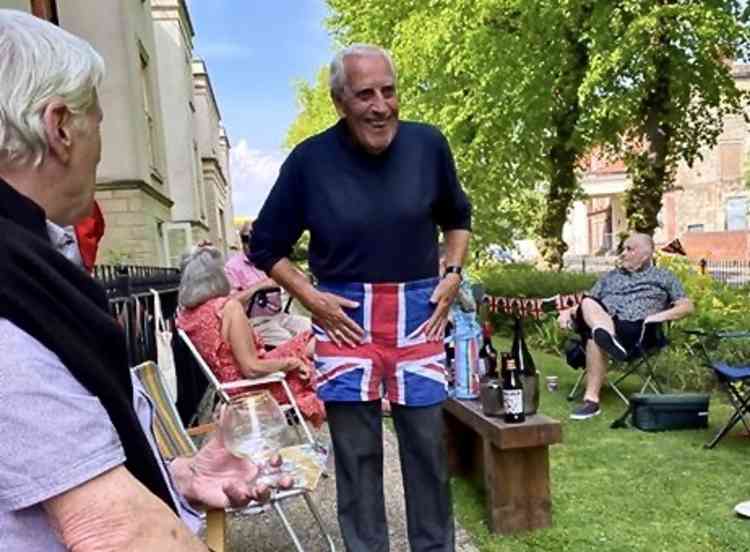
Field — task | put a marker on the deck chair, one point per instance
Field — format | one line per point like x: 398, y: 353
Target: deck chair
x: 732, y: 378
x: 173, y: 440
x: 220, y: 389
x: 640, y: 363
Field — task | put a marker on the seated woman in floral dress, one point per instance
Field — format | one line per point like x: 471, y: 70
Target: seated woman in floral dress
x: 218, y: 327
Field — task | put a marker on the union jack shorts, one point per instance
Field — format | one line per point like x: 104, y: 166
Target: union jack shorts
x: 395, y: 359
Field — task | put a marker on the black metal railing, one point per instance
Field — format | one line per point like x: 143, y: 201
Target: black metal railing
x: 588, y: 263
x: 131, y: 301
x: 125, y: 280
x: 730, y: 272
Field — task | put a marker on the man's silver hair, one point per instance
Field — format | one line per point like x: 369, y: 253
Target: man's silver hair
x: 203, y: 277
x: 338, y: 81
x: 39, y: 61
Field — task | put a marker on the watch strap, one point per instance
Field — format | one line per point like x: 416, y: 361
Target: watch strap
x: 453, y: 269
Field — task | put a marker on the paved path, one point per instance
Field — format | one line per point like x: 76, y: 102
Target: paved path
x: 264, y: 532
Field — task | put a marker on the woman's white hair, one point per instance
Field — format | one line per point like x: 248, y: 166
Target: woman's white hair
x: 338, y: 80
x: 203, y: 277
x: 38, y: 62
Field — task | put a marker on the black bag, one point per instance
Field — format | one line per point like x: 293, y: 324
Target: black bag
x: 652, y: 412
x: 575, y: 354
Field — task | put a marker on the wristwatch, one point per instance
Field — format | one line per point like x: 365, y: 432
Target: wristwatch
x: 453, y: 269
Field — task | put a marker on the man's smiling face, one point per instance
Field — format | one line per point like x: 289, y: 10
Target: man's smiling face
x: 369, y: 102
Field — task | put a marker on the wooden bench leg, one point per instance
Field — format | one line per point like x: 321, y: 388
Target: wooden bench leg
x: 216, y: 524
x: 518, y: 488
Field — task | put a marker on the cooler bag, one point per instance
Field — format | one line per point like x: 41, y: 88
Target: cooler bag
x: 653, y: 412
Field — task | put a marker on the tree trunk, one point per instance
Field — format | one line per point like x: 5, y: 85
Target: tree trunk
x: 651, y: 171
x: 562, y: 188
x: 563, y: 154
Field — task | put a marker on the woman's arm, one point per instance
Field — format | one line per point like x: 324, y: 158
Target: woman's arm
x: 245, y: 295
x: 235, y: 330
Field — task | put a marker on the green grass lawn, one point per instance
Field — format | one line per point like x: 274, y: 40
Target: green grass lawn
x: 623, y: 490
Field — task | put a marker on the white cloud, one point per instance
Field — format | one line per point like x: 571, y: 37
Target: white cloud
x: 253, y: 173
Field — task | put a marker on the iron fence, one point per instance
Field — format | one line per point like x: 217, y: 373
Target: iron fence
x: 588, y: 263
x: 733, y: 273
x: 130, y: 291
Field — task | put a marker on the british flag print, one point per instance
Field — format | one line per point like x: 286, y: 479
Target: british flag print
x: 394, y: 360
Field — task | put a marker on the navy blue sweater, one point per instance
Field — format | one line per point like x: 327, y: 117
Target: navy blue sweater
x: 372, y: 218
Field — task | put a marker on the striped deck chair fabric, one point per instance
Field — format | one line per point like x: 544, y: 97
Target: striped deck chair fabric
x: 169, y: 432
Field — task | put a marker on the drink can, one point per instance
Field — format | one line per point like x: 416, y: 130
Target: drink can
x: 552, y: 383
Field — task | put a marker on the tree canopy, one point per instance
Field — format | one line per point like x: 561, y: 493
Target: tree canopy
x: 524, y: 90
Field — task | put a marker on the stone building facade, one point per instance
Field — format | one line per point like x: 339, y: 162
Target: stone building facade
x: 151, y: 182
x: 213, y: 149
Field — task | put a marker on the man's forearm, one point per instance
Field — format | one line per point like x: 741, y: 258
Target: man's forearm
x: 456, y: 247
x: 115, y: 512
x: 680, y: 310
x: 293, y: 280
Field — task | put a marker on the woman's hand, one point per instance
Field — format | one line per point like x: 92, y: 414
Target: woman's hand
x: 294, y: 363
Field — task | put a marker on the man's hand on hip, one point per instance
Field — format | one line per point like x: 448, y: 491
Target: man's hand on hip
x: 443, y: 297
x: 328, y: 313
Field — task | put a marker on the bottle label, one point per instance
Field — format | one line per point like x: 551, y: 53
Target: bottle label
x: 513, y: 401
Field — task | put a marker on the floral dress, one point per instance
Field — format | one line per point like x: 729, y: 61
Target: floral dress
x: 202, y: 324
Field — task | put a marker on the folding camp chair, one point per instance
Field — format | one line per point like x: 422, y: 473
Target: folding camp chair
x: 639, y: 363
x: 220, y: 389
x: 733, y: 378
x: 262, y: 299
x: 173, y: 440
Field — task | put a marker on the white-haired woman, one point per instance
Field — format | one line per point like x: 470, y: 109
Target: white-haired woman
x: 218, y: 327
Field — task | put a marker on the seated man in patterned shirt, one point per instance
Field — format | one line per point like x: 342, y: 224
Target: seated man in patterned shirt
x: 624, y: 304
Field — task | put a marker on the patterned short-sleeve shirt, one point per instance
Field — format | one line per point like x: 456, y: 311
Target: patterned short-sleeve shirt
x: 636, y: 295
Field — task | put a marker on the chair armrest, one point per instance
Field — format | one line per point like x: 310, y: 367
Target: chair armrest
x: 699, y: 333
x: 201, y: 429
x: 732, y: 335
x: 737, y: 334
x: 274, y: 377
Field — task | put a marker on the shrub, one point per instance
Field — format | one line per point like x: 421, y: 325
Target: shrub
x: 523, y: 280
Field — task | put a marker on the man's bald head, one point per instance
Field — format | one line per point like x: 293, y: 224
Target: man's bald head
x: 643, y: 240
x: 637, y: 252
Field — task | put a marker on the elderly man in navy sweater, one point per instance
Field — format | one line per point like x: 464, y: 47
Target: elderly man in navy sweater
x: 373, y: 192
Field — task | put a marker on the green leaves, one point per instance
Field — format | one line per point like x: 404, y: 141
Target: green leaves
x: 524, y: 91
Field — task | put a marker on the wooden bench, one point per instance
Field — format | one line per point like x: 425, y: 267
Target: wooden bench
x: 511, y: 462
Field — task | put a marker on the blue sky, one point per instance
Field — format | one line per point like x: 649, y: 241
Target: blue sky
x: 255, y: 51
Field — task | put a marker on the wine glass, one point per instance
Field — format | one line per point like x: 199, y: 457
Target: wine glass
x: 252, y: 426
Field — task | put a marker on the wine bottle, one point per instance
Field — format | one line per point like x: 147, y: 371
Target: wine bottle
x: 526, y: 369
x: 520, y: 352
x: 512, y: 394
x: 488, y: 352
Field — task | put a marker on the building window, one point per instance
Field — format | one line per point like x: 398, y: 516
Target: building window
x: 152, y: 137
x: 736, y: 213
x: 198, y: 190
x: 695, y: 228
